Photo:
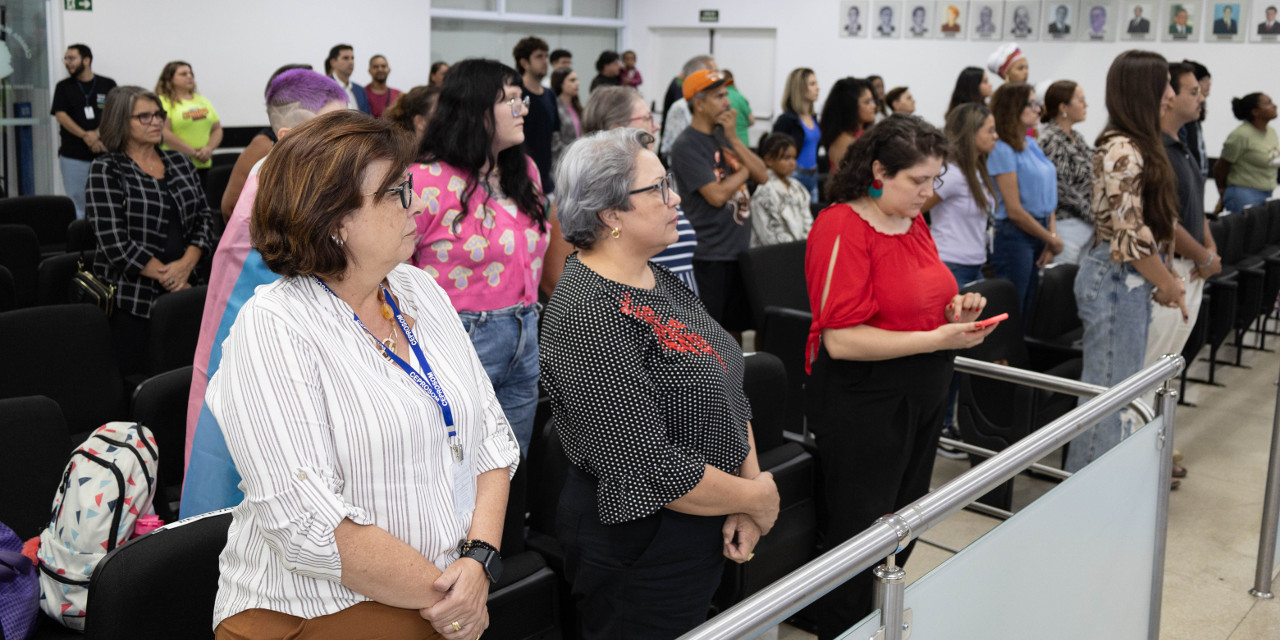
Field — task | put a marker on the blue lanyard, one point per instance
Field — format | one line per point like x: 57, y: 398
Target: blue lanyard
x: 427, y: 380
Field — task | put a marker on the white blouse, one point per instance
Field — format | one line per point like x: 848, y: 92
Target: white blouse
x: 322, y: 427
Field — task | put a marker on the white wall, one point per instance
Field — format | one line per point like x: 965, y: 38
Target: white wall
x: 807, y: 36
x: 234, y: 45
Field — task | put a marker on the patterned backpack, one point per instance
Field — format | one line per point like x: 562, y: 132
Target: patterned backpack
x: 108, y: 484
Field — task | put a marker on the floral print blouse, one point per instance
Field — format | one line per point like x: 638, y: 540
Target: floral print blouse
x: 1074, y: 161
x: 1117, y: 200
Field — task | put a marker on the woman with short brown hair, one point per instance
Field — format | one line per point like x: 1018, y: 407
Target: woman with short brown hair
x: 366, y: 450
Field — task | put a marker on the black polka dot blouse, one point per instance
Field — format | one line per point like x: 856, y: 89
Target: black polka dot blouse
x: 646, y: 389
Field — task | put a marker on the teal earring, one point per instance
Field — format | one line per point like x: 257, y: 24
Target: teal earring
x: 877, y: 189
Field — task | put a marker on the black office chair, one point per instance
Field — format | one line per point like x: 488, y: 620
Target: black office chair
x: 775, y: 282
x: 161, y: 585
x: 80, y: 236
x: 76, y: 368
x: 160, y: 403
x: 8, y: 290
x: 175, y: 329
x: 216, y: 183
x: 1054, y: 332
x: 48, y: 216
x: 55, y: 275
x: 1229, y: 233
x: 20, y: 254
x: 33, y: 428
x: 993, y: 414
x: 794, y: 538
x: 1264, y: 257
x: 525, y: 602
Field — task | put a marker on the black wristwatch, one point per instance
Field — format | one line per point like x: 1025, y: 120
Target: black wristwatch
x: 484, y: 553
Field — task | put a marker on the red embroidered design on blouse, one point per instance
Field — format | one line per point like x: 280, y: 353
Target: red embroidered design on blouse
x: 673, y: 334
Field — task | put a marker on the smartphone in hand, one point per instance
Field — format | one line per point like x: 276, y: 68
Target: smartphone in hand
x: 983, y: 324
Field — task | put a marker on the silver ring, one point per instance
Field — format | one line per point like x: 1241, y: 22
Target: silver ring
x: 170, y: 280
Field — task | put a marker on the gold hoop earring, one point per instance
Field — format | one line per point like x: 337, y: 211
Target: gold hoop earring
x: 616, y: 233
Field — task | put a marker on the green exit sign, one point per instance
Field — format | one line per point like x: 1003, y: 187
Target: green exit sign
x: 77, y: 5
x: 709, y: 15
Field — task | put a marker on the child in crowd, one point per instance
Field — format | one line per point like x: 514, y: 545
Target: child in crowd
x: 780, y: 207
x: 630, y: 74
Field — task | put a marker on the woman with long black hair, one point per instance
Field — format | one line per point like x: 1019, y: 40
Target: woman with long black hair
x: 484, y: 234
x: 1135, y: 213
x: 850, y: 110
x: 971, y: 86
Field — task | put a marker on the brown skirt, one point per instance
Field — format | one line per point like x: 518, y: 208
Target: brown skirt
x: 363, y: 621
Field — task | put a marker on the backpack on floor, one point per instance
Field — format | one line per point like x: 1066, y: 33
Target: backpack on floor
x: 107, y: 485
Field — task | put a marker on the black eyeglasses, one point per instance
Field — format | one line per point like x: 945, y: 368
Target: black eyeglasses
x: 664, y: 186
x: 405, y: 189
x: 148, y: 118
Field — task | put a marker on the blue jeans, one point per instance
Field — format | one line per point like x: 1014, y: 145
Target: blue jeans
x: 964, y: 273
x: 1115, y: 306
x: 507, y: 342
x: 1236, y: 199
x: 75, y: 175
x: 808, y: 178
x: 1014, y: 259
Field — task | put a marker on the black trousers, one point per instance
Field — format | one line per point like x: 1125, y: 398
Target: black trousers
x: 646, y: 579
x: 877, y: 426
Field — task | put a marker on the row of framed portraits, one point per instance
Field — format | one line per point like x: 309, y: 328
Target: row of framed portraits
x: 1062, y: 20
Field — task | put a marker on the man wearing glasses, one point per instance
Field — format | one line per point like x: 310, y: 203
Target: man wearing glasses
x: 77, y: 106
x: 711, y: 167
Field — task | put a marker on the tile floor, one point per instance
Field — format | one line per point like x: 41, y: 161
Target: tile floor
x: 1214, y: 517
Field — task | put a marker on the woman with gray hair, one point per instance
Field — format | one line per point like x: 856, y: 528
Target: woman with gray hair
x: 646, y: 396
x: 149, y: 215
x: 617, y: 107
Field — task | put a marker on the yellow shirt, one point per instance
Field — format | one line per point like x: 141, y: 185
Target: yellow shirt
x: 192, y: 121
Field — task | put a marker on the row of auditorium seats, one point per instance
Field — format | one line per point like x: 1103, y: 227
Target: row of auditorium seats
x: 174, y: 569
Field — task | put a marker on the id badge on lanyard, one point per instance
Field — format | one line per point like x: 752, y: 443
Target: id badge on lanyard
x: 464, y: 481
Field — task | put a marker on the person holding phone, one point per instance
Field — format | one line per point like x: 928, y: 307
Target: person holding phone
x: 887, y: 321
x: 1135, y: 213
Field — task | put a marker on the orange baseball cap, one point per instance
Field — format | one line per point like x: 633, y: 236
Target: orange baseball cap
x: 703, y: 79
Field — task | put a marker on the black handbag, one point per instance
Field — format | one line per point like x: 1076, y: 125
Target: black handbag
x: 88, y: 287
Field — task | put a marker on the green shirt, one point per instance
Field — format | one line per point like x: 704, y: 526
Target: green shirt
x: 192, y: 121
x: 1252, y: 155
x: 739, y: 102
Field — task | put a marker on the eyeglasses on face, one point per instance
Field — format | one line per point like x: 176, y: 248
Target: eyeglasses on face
x: 405, y: 189
x: 518, y: 105
x: 148, y: 118
x: 1035, y: 104
x: 648, y: 117
x: 664, y: 187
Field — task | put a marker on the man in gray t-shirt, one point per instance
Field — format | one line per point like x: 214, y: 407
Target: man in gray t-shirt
x: 711, y: 169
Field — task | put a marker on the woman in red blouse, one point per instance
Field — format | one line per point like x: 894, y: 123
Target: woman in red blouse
x: 887, y: 319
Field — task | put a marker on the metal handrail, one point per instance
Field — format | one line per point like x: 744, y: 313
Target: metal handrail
x: 1044, y: 381
x: 773, y: 604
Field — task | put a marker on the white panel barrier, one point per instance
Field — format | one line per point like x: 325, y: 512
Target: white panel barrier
x: 1075, y: 563
x: 1086, y: 560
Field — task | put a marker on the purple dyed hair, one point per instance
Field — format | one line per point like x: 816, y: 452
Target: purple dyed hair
x: 309, y: 89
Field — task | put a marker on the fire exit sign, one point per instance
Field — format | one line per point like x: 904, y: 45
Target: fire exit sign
x: 77, y: 5
x: 709, y: 15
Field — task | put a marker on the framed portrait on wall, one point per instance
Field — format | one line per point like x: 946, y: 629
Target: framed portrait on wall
x: 1022, y: 20
x: 1061, y: 18
x: 853, y: 19
x: 986, y: 20
x: 1265, y: 26
x: 1138, y: 21
x: 951, y: 16
x: 917, y: 19
x: 884, y: 21
x: 1097, y: 21
x: 1182, y: 21
x: 1226, y: 24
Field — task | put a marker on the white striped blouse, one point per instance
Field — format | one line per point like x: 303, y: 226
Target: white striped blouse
x: 322, y: 427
